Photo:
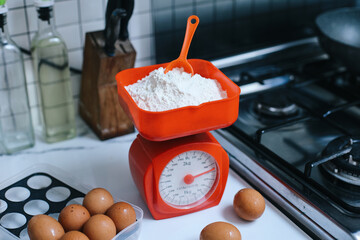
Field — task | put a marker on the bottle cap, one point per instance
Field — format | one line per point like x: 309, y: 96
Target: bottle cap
x: 3, y: 7
x: 43, y: 3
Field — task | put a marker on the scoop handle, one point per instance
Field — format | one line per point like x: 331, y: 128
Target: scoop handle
x: 192, y: 23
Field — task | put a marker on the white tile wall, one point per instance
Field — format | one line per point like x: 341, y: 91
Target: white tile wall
x: 91, y: 10
x: 73, y: 19
x: 22, y: 40
x: 33, y: 100
x: 29, y: 73
x: 69, y: 7
x: 15, y: 3
x: 76, y: 58
x: 31, y: 18
x: 72, y: 40
x: 90, y: 27
x: 143, y: 47
x: 142, y: 6
x: 76, y: 84
x: 17, y: 21
x: 140, y: 25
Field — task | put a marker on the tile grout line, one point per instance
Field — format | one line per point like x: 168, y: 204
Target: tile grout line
x: 27, y: 25
x: 80, y: 23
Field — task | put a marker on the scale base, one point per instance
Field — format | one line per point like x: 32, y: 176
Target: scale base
x: 147, y: 160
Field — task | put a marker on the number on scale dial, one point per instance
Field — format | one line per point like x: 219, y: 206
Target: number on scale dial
x: 188, y: 178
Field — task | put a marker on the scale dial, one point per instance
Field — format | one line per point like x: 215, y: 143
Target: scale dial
x: 188, y: 179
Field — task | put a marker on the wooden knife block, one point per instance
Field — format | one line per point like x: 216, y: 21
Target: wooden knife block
x: 99, y: 105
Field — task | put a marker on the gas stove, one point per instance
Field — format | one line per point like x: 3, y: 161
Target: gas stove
x: 297, y: 136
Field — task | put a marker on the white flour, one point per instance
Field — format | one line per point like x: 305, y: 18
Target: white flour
x: 160, y: 92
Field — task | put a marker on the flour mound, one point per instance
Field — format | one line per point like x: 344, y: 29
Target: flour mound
x: 160, y: 92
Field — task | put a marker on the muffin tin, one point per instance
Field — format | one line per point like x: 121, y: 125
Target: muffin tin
x: 42, y: 190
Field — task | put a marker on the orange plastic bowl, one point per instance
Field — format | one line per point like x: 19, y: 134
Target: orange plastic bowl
x: 184, y: 121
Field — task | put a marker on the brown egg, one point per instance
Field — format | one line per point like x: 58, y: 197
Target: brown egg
x: 123, y: 215
x: 73, y: 217
x: 74, y: 235
x: 99, y: 227
x: 44, y: 227
x: 249, y: 204
x: 98, y: 201
x: 220, y: 231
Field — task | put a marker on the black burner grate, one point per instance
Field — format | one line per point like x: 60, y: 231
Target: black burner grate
x: 329, y: 109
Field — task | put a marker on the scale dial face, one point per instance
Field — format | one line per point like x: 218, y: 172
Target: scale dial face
x: 188, y: 179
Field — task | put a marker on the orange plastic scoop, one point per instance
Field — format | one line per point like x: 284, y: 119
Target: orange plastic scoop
x: 181, y: 61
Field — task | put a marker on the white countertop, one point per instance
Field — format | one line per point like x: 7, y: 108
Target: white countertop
x: 105, y: 164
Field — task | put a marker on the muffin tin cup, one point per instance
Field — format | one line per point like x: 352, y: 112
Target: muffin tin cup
x: 44, y: 189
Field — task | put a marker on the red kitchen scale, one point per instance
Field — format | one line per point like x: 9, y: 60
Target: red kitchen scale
x: 177, y: 165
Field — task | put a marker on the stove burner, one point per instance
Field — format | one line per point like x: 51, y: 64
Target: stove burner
x: 347, y: 166
x: 275, y: 105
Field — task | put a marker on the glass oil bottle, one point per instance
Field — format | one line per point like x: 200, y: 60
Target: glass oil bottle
x: 16, y: 130
x: 51, y: 68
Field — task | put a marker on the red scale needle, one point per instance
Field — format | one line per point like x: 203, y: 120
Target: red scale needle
x: 189, y: 179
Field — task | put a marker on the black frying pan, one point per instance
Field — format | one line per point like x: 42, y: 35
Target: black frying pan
x: 340, y: 36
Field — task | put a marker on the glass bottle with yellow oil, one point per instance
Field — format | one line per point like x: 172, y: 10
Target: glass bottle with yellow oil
x: 52, y: 72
